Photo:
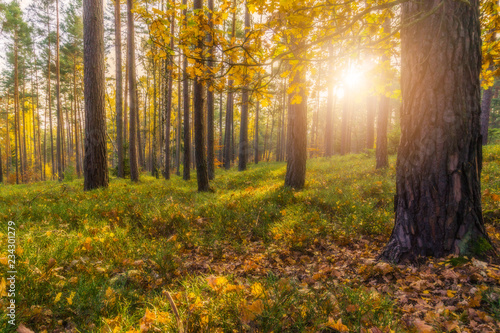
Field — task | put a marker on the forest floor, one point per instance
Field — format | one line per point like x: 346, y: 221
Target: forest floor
x: 251, y: 257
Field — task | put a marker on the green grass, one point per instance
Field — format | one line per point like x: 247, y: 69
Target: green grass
x: 98, y: 260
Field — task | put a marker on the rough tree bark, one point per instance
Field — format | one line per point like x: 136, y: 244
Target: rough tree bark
x: 438, y: 193
x: 95, y: 169
x: 296, y: 154
x: 199, y: 127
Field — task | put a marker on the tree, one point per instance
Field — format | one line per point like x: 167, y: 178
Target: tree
x: 438, y: 197
x: 132, y: 86
x: 381, y: 154
x: 186, y: 173
x: 119, y: 90
x: 60, y: 124
x: 199, y: 127
x: 95, y: 169
x: 210, y: 99
x: 243, y: 151
x: 297, y: 128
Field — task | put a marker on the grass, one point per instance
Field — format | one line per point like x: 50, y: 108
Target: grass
x: 253, y: 256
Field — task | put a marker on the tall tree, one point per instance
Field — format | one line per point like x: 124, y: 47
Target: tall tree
x: 485, y: 113
x: 169, y: 66
x: 329, y: 106
x: 243, y: 149
x: 119, y: 90
x: 60, y: 124
x: 199, y: 127
x: 256, y: 136
x: 186, y: 174
x: 438, y: 193
x: 296, y: 154
x: 132, y: 86
x: 381, y: 154
x: 228, y: 128
x: 95, y: 161
x: 210, y: 98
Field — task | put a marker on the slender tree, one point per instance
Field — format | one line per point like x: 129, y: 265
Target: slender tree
x: 186, y: 175
x: 119, y: 90
x: 95, y: 160
x: 243, y: 149
x: 60, y: 123
x: 210, y: 99
x: 132, y: 86
x: 438, y: 192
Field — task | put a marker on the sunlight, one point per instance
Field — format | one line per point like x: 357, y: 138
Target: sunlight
x: 353, y: 77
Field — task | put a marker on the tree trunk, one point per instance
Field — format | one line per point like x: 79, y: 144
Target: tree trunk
x: 329, y: 109
x: 179, y: 124
x: 384, y: 111
x: 132, y: 86
x: 16, y: 106
x: 210, y: 100
x: 199, y: 128
x: 168, y: 103
x: 256, y: 137
x: 438, y: 193
x: 297, y: 131
x: 243, y: 149
x: 119, y: 90
x: 60, y: 124
x: 186, y: 175
x: 95, y: 169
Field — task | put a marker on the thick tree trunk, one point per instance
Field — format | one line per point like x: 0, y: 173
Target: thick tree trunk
x: 485, y: 113
x: 119, y: 90
x: 297, y: 132
x: 132, y: 86
x: 438, y: 194
x: 95, y: 169
x: 199, y: 127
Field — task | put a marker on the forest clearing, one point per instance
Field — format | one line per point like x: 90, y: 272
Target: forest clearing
x: 253, y: 256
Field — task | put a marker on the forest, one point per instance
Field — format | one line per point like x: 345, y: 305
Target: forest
x: 250, y: 166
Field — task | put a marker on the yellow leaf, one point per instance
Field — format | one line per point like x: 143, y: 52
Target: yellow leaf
x: 70, y: 298
x: 337, y: 325
x: 3, y: 288
x: 257, y: 290
x: 451, y: 293
x: 58, y: 298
